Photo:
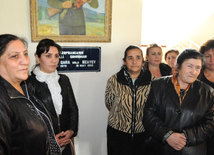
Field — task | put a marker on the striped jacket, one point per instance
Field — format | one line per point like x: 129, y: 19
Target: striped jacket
x: 125, y: 101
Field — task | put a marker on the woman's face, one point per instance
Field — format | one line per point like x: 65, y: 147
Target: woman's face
x: 189, y: 71
x: 14, y: 62
x: 209, y: 59
x: 48, y: 62
x: 154, y: 56
x: 171, y: 58
x: 134, y: 61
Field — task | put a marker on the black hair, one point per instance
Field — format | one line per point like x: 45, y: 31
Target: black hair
x: 188, y: 54
x: 44, y: 46
x: 207, y: 46
x: 131, y: 47
x: 171, y: 51
x: 152, y: 46
x: 5, y: 39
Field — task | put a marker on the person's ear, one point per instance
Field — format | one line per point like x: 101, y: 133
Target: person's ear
x: 124, y: 63
x: 176, y: 68
x: 143, y: 62
x: 146, y: 57
x: 37, y: 59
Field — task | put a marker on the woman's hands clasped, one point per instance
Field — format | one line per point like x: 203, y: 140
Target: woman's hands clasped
x: 64, y: 138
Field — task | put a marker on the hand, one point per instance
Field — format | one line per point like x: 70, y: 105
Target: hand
x: 59, y: 138
x: 67, y: 4
x: 177, y: 141
x: 64, y: 138
x: 69, y: 133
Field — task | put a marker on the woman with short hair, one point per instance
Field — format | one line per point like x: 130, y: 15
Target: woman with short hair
x: 179, y: 112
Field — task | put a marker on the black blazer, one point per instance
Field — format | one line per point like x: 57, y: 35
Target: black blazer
x: 22, y: 129
x: 69, y: 117
x: 194, y: 117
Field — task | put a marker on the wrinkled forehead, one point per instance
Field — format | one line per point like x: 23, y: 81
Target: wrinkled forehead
x: 15, y: 45
x: 193, y: 61
x: 134, y: 52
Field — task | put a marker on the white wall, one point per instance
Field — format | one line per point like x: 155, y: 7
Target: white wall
x: 88, y: 87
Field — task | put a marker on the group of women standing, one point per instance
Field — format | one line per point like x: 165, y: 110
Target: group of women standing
x: 153, y: 109
x: 38, y: 116
x: 168, y: 107
x: 125, y: 97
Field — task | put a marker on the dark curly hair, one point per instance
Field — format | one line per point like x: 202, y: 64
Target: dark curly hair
x: 171, y: 51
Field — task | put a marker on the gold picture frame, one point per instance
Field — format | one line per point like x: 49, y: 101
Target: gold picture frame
x: 46, y: 21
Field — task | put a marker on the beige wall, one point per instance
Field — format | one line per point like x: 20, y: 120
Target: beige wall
x: 203, y: 32
x: 88, y: 87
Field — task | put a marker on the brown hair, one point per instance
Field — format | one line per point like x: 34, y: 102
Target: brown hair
x: 171, y: 51
x: 152, y: 46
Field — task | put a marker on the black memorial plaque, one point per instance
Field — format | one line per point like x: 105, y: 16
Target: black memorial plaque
x: 80, y: 59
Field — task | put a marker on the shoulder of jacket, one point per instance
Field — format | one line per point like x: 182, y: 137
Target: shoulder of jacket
x: 31, y: 77
x: 113, y: 77
x: 203, y: 85
x: 32, y: 81
x: 162, y: 80
x: 63, y: 76
x: 112, y: 80
x: 165, y: 68
x: 3, y: 91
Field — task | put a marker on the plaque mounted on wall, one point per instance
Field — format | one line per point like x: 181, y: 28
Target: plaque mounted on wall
x: 80, y: 59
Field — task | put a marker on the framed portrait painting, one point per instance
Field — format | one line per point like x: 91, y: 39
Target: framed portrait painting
x: 71, y: 20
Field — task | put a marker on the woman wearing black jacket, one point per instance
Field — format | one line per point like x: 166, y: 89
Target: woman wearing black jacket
x: 153, y: 63
x: 55, y: 92
x: 207, y: 76
x: 24, y: 126
x: 179, y: 113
